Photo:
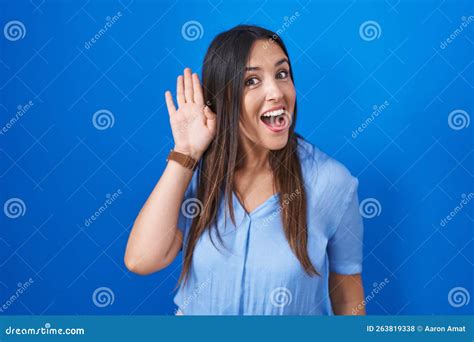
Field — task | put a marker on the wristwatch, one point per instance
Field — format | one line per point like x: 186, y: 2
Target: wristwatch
x: 183, y: 159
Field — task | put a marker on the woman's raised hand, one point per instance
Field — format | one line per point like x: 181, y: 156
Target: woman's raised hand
x: 193, y: 124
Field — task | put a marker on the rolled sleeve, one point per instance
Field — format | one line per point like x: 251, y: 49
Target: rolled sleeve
x: 345, y: 247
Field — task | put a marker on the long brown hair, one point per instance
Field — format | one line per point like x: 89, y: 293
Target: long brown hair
x: 223, y: 84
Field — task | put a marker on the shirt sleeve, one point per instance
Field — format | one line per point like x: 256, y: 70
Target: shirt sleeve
x: 346, y: 244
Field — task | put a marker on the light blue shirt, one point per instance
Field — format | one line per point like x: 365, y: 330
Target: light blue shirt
x: 256, y: 272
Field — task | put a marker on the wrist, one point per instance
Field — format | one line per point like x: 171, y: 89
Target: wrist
x: 193, y: 154
x: 184, y: 159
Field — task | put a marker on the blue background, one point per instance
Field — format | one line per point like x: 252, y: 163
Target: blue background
x: 55, y: 160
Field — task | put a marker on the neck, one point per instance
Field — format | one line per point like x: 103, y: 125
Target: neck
x: 252, y: 157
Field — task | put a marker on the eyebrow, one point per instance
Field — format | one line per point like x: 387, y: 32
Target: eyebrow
x: 280, y: 62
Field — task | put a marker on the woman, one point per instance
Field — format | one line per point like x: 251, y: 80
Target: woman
x: 293, y: 244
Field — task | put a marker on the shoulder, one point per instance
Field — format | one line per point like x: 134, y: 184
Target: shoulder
x: 329, y: 184
x: 320, y: 169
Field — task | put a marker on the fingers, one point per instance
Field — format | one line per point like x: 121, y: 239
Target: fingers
x: 198, y: 95
x: 188, y: 86
x: 180, y: 91
x: 170, y: 103
x: 211, y: 119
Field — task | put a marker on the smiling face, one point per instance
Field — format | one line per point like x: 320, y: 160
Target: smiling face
x: 268, y: 97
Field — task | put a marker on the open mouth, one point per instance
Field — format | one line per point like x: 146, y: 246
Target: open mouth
x: 276, y: 120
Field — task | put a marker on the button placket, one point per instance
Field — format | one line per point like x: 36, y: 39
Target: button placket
x: 243, y: 240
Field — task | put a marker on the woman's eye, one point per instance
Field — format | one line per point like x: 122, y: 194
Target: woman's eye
x: 283, y: 74
x: 251, y: 81
x: 254, y: 81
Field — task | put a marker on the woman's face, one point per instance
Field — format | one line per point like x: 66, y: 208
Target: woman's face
x: 268, y: 97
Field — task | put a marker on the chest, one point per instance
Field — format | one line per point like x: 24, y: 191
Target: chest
x: 258, y: 245
x: 253, y: 189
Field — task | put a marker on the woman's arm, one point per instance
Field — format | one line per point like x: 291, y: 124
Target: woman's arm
x: 347, y: 294
x: 155, y: 240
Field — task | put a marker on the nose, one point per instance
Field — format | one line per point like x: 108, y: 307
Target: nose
x: 273, y: 91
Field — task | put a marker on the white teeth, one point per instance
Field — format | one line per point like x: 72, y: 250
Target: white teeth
x: 274, y: 113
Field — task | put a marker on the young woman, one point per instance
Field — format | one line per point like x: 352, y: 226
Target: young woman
x: 268, y: 224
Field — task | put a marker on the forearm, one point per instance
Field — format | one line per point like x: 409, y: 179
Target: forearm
x: 347, y: 294
x: 350, y: 308
x: 155, y: 229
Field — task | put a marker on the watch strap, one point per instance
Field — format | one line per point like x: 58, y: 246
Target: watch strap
x: 183, y: 159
